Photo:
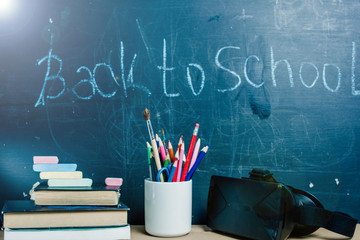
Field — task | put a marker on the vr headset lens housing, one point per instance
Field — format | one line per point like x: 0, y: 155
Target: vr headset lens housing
x: 260, y: 215
x: 263, y: 209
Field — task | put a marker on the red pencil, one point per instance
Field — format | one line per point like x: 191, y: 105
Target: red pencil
x: 177, y: 168
x: 191, y: 148
x: 179, y: 146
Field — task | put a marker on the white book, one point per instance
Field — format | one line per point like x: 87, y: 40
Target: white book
x: 71, y: 182
x: 106, y: 233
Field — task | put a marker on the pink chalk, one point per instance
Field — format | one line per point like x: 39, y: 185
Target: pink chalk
x: 117, y: 182
x: 45, y: 159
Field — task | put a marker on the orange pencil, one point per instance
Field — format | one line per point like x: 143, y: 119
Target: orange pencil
x: 171, y: 152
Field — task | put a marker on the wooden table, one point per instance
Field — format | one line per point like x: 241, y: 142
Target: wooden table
x: 203, y: 232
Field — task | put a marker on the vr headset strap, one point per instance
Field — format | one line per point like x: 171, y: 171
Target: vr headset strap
x: 338, y: 222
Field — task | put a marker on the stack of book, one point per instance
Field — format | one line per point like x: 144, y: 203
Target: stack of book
x: 67, y: 208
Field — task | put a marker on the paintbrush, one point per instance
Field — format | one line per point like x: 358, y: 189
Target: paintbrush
x: 146, y: 115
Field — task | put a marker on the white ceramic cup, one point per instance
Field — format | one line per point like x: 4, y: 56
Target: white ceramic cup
x: 168, y: 208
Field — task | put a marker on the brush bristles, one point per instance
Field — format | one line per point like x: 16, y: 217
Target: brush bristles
x: 146, y: 114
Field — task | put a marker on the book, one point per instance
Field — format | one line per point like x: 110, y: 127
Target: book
x: 70, y: 182
x: 19, y: 214
x: 98, y: 194
x: 61, y: 175
x: 106, y: 233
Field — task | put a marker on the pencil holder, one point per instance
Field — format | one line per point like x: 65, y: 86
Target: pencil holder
x: 168, y: 208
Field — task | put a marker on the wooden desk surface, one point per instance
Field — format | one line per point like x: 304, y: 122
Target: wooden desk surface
x: 203, y: 232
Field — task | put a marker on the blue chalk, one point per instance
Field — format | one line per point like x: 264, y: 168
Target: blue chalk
x: 61, y: 167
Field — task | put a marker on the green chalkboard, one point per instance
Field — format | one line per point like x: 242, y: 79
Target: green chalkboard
x: 273, y: 84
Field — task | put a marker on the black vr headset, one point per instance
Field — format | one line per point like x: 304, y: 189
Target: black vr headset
x: 261, y: 208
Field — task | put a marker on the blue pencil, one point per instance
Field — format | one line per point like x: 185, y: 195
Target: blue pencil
x: 173, y: 170
x: 196, y: 164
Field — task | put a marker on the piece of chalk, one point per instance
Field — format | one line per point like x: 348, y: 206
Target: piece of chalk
x: 76, y: 182
x: 45, y: 159
x: 49, y: 167
x: 52, y: 175
x: 117, y: 182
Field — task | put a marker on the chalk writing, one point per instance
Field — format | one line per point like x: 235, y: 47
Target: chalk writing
x: 130, y: 78
x: 127, y: 80
x: 226, y: 69
x: 109, y: 95
x: 300, y: 74
x: 324, y: 78
x: 274, y: 65
x: 85, y: 81
x: 48, y: 77
x: 202, y: 78
x: 164, y: 69
x: 245, y: 72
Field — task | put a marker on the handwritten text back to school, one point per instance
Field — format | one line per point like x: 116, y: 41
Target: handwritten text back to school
x: 127, y: 80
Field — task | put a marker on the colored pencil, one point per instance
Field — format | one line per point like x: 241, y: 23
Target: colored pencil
x: 162, y: 150
x: 195, y: 153
x: 156, y: 156
x: 167, y: 160
x: 191, y: 148
x: 171, y: 152
x: 157, y: 140
x: 153, y: 167
x: 177, y: 168
x: 149, y: 160
x: 181, y: 142
x: 178, y: 149
x: 198, y: 160
x: 173, y: 170
x: 181, y: 155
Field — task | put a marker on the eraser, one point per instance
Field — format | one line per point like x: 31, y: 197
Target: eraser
x: 45, y: 159
x: 117, y: 182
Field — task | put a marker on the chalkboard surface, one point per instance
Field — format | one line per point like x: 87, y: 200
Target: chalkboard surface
x: 273, y: 84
